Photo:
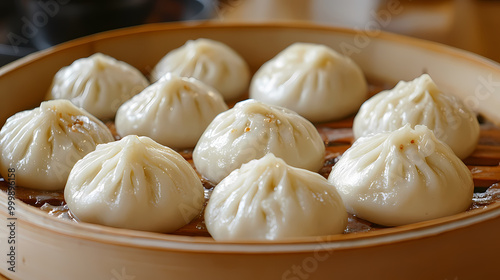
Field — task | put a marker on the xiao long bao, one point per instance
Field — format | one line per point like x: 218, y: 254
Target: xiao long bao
x: 209, y: 61
x: 173, y: 111
x: 402, y: 177
x: 98, y: 84
x: 420, y: 102
x: 252, y: 129
x: 43, y: 144
x: 312, y: 80
x: 265, y: 200
x: 134, y: 183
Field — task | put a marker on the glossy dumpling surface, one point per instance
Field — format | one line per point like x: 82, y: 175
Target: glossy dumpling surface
x: 420, y: 102
x: 98, y: 84
x: 401, y: 177
x: 209, y: 61
x: 43, y: 144
x: 134, y: 183
x: 252, y: 129
x: 173, y: 111
x: 266, y: 199
x: 313, y: 80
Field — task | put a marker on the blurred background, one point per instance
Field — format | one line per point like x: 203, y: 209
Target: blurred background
x: 30, y: 25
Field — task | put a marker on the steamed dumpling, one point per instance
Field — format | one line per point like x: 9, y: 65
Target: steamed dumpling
x: 266, y: 199
x: 209, y: 61
x: 420, y: 102
x: 401, y: 177
x: 173, y: 111
x: 252, y: 129
x: 98, y: 84
x: 43, y: 144
x: 134, y: 183
x: 312, y: 80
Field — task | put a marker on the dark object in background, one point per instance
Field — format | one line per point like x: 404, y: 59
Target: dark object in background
x: 6, y: 7
x: 7, y: 52
x: 39, y: 24
x: 57, y: 21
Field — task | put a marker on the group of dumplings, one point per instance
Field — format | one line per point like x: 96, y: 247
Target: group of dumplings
x: 263, y: 154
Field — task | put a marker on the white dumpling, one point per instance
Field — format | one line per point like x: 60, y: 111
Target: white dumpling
x: 252, y: 129
x: 420, y: 102
x: 43, y: 144
x: 134, y: 183
x: 266, y: 199
x: 173, y: 111
x: 209, y: 61
x: 312, y: 80
x: 401, y: 177
x: 98, y: 84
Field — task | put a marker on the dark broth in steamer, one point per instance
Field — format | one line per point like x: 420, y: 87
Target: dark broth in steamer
x: 338, y: 137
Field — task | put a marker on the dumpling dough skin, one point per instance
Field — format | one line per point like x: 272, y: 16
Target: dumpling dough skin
x: 266, y: 199
x: 134, y: 183
x: 312, y: 80
x: 209, y: 61
x: 252, y: 129
x: 420, y: 102
x: 402, y: 177
x: 43, y: 144
x: 98, y: 84
x: 173, y: 111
